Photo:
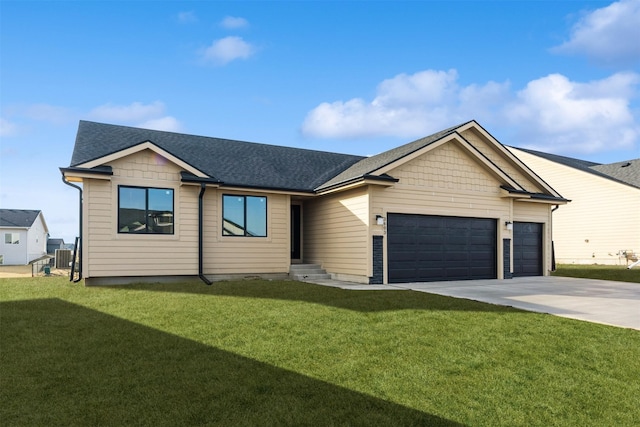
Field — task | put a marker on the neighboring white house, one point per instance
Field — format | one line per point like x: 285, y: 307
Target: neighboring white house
x: 601, y: 225
x: 24, y: 236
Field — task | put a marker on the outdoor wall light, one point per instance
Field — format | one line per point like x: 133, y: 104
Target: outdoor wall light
x: 509, y: 225
x: 379, y: 220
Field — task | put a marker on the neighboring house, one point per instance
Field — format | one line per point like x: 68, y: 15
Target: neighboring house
x: 24, y: 236
x: 602, y: 222
x: 451, y: 206
x: 53, y: 244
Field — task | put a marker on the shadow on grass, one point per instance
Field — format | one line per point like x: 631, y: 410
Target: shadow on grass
x: 63, y: 364
x: 357, y: 300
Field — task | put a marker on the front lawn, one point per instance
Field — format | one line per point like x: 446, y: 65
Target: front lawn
x: 619, y: 273
x: 284, y: 353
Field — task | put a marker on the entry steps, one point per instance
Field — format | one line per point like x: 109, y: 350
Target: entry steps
x: 304, y: 272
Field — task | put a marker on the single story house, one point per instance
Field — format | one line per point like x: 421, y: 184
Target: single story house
x: 451, y: 206
x: 24, y: 236
x: 601, y: 225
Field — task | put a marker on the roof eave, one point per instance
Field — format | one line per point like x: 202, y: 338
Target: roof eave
x: 76, y: 174
x: 384, y: 180
x: 524, y: 195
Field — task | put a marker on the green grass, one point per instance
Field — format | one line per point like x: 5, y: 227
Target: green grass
x: 284, y: 353
x: 617, y: 273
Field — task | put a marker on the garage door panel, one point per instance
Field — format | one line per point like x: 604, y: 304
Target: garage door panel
x: 527, y: 249
x: 449, y: 248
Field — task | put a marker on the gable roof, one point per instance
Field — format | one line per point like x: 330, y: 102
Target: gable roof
x: 251, y: 165
x: 627, y: 172
x: 234, y: 163
x: 18, y: 218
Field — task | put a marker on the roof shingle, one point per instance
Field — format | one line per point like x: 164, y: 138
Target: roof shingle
x: 236, y: 163
x: 19, y: 218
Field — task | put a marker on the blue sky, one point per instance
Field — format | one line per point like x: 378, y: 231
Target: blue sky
x: 356, y: 77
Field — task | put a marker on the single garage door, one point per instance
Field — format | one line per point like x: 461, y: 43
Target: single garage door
x: 527, y: 249
x: 426, y: 248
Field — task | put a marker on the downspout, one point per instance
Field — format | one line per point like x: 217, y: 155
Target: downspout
x: 553, y: 249
x: 71, y: 279
x: 200, y: 235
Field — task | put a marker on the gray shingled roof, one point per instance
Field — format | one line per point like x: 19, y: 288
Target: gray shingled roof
x: 236, y: 163
x: 19, y: 218
x: 245, y: 164
x: 627, y: 172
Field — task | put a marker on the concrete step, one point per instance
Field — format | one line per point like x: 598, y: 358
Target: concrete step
x: 308, y: 272
x: 310, y: 276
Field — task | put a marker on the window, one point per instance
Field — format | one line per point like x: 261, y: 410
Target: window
x: 12, y: 238
x: 244, y: 216
x: 144, y: 210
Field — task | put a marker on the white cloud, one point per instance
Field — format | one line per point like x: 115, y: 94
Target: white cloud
x: 135, y: 111
x: 405, y: 106
x: 7, y: 128
x: 233, y: 23
x: 555, y: 114
x: 49, y: 113
x: 228, y: 49
x: 608, y: 35
x: 149, y: 116
x: 187, y: 17
x: 552, y: 113
x: 18, y: 119
x: 168, y: 123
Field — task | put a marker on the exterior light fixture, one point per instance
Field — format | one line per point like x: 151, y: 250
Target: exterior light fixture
x: 379, y: 220
x: 509, y: 225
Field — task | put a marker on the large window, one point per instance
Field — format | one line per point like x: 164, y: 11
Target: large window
x: 144, y: 210
x: 244, y: 216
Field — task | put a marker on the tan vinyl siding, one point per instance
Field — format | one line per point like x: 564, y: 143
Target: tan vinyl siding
x: 336, y: 233
x: 602, y: 219
x: 109, y: 253
x: 480, y: 143
x: 444, y: 181
x: 247, y: 255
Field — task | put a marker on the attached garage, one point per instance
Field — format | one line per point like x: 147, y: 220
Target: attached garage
x: 527, y: 249
x: 427, y: 248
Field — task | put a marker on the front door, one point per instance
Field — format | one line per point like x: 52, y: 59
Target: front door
x: 296, y: 235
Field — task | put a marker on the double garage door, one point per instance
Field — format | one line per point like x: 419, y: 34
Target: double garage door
x: 426, y: 248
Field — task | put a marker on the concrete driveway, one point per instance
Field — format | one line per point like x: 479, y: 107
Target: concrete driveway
x: 599, y: 301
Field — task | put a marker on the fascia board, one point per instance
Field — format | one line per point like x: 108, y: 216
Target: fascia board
x: 138, y: 148
x: 545, y: 201
x: 79, y: 176
x: 509, y: 155
x: 41, y: 216
x: 248, y: 189
x: 355, y: 184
